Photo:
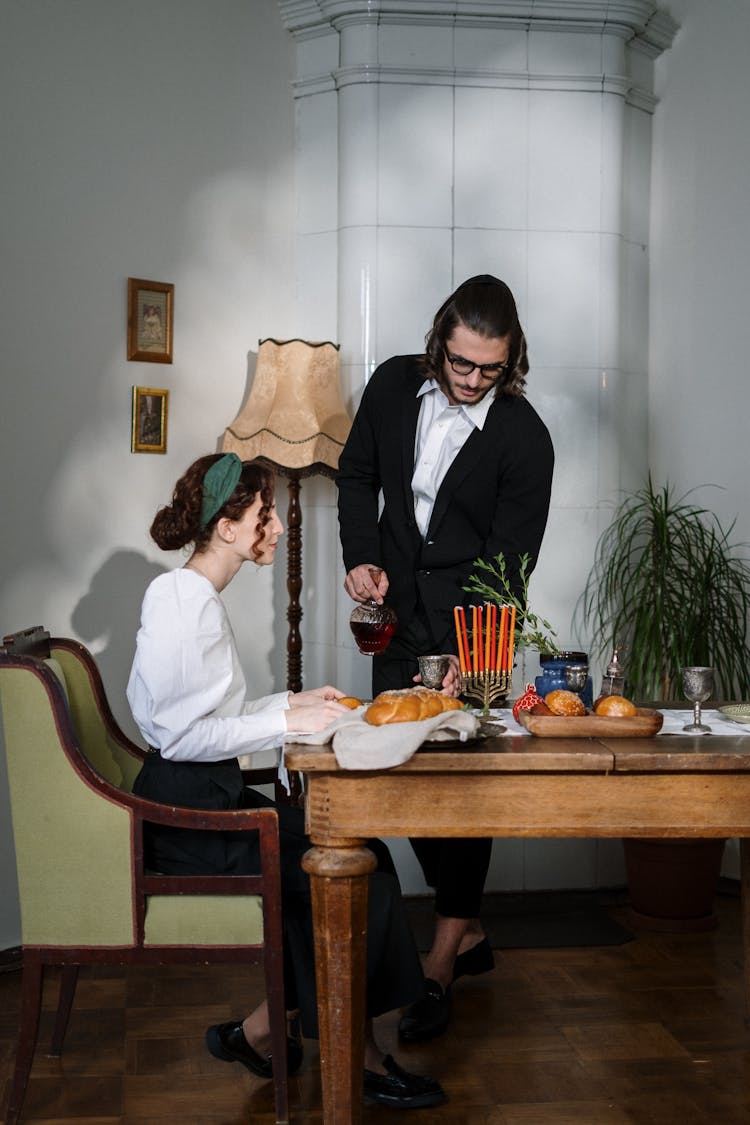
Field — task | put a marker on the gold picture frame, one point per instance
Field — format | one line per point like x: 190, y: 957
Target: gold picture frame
x: 149, y: 420
x: 150, y: 320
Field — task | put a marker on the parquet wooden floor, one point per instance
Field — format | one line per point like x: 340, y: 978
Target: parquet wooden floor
x: 647, y: 1033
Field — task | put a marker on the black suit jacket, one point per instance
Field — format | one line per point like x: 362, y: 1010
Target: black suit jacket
x: 494, y: 497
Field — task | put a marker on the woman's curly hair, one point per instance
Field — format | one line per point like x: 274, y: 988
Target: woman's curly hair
x: 178, y: 524
x: 485, y: 305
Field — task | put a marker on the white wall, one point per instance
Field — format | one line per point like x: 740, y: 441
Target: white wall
x: 138, y: 140
x: 700, y: 247
x: 700, y: 327
x: 505, y: 143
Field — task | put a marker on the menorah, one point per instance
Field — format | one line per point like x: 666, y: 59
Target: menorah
x: 488, y: 688
x: 487, y: 665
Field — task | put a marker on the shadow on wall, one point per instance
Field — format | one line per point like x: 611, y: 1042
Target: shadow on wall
x: 107, y: 618
x: 109, y: 614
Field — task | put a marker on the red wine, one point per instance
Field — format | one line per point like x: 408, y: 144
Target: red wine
x: 372, y: 638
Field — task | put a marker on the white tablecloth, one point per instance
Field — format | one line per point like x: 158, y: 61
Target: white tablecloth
x: 674, y: 721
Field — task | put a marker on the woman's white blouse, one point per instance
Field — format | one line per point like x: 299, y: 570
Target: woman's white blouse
x: 186, y: 689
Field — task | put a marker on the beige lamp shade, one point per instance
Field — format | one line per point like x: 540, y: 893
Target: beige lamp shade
x: 294, y: 417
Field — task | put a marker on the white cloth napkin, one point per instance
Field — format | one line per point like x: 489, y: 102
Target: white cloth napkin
x: 359, y: 746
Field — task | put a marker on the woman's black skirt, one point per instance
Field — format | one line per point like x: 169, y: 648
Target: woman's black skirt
x: 394, y: 973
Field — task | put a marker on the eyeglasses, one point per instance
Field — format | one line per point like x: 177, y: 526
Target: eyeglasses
x: 463, y: 366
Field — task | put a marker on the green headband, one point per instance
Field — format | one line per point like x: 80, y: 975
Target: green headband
x: 218, y: 485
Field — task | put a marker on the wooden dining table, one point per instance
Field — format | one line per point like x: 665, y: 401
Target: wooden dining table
x: 521, y: 786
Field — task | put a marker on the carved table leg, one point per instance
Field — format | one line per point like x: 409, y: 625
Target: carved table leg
x: 339, y: 897
x: 745, y: 914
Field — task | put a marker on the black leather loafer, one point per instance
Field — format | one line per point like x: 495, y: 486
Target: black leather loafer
x: 478, y: 959
x: 428, y: 1017
x: 227, y: 1041
x: 401, y: 1090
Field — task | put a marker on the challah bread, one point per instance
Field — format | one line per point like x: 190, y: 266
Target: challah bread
x: 388, y: 708
x: 409, y: 705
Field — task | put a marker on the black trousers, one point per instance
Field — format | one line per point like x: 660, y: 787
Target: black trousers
x: 456, y: 868
x: 394, y: 971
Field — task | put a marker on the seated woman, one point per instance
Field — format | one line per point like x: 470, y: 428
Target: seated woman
x: 187, y: 693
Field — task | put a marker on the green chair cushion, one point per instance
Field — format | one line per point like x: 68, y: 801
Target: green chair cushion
x: 203, y: 920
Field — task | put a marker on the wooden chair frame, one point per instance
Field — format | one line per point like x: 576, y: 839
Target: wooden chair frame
x: 27, y: 650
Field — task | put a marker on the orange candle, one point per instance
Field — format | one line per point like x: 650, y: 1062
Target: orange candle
x: 474, y: 661
x: 487, y: 633
x: 465, y: 640
x: 511, y: 638
x: 480, y: 640
x: 493, y: 638
x: 457, y: 614
x: 501, y: 642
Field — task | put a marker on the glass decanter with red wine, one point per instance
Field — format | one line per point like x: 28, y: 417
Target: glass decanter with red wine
x: 373, y: 625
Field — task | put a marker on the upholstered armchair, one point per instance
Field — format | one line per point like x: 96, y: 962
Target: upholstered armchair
x: 78, y: 830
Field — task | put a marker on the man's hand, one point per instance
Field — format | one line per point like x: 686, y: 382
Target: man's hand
x: 360, y: 586
x: 452, y: 683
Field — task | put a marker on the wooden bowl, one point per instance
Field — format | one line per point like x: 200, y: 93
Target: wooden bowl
x: 644, y: 724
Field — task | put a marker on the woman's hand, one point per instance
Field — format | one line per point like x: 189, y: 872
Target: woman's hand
x: 314, y: 695
x: 311, y: 711
x: 310, y: 718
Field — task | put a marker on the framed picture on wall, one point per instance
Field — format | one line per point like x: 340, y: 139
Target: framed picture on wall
x: 150, y: 318
x: 149, y: 420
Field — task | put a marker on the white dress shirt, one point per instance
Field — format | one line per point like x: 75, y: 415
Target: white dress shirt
x: 186, y: 689
x: 442, y: 430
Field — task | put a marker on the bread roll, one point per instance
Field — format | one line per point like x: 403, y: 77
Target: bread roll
x: 350, y: 701
x: 409, y: 705
x: 615, y: 705
x: 540, y: 708
x: 561, y: 702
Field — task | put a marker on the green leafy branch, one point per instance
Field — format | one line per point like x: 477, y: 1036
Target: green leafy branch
x: 531, y: 631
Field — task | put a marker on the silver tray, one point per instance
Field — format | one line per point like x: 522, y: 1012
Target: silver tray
x: 488, y: 728
x: 738, y: 712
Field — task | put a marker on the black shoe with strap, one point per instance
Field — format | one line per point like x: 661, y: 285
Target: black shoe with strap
x: 401, y: 1090
x: 227, y: 1041
x: 428, y: 1017
x: 478, y: 959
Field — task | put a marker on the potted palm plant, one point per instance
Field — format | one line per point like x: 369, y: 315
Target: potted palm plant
x: 669, y: 588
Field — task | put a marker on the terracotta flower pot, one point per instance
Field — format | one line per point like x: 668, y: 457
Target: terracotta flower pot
x: 673, y: 883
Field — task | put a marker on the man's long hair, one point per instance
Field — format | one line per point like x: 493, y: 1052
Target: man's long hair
x: 485, y: 305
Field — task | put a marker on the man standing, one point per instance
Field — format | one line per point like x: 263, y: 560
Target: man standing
x: 464, y: 466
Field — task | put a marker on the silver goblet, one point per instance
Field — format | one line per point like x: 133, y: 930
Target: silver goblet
x: 433, y: 669
x: 576, y: 676
x: 697, y: 685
